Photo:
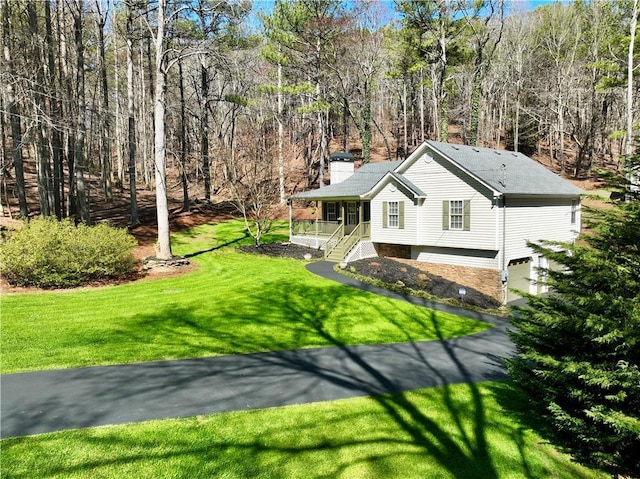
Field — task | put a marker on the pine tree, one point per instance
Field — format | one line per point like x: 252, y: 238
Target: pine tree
x: 578, y: 349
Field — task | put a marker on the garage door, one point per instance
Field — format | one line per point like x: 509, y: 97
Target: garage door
x: 519, y: 274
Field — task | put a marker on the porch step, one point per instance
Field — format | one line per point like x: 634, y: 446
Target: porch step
x: 334, y: 257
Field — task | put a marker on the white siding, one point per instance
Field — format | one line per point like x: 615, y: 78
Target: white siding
x: 406, y: 235
x: 437, y: 178
x: 535, y: 219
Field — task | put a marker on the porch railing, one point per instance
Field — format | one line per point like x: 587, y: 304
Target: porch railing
x: 343, y: 245
x: 333, y: 240
x: 314, y: 227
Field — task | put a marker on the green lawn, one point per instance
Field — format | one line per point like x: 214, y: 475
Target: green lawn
x: 464, y: 431
x: 240, y: 303
x: 234, y: 303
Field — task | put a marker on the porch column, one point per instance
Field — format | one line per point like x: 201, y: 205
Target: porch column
x: 317, y: 220
x: 290, y: 201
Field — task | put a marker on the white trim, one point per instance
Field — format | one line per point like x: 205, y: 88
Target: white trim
x: 389, y: 176
x: 395, y: 216
x: 451, y: 215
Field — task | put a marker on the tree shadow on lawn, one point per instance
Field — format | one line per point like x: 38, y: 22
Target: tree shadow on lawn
x: 458, y: 443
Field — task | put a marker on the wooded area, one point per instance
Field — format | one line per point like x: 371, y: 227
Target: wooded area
x: 100, y: 98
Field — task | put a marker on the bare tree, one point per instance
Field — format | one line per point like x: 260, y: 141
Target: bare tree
x: 357, y: 67
x: 486, y: 21
x: 253, y: 182
x: 558, y: 37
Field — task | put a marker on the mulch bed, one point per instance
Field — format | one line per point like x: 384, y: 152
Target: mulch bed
x: 386, y: 270
x: 284, y: 250
x: 404, y: 276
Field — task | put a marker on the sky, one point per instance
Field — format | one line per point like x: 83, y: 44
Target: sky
x: 265, y: 6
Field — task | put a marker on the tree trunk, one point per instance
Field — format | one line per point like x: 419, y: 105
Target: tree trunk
x: 476, y: 92
x: 405, y: 144
x: 634, y: 23
x: 56, y: 111
x: 204, y: 129
x: 105, y: 130
x: 422, y: 112
x: 81, y: 126
x: 322, y: 130
x: 4, y: 148
x: 14, y: 112
x: 131, y: 123
x: 66, y: 83
x: 345, y: 124
x: 443, y: 97
x: 116, y: 89
x: 183, y: 141
x: 163, y: 247
x: 281, y: 181
x: 39, y: 129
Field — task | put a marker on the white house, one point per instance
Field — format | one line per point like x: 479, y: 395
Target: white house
x: 446, y: 203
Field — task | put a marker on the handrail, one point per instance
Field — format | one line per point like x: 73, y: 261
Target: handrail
x: 346, y: 243
x: 333, y: 240
x: 350, y: 241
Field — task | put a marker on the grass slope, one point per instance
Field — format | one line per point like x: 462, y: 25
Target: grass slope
x: 233, y: 303
x: 462, y: 431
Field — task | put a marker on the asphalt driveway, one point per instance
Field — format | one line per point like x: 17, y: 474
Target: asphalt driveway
x: 38, y: 402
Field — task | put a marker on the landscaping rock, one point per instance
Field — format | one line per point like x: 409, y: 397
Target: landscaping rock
x: 156, y: 264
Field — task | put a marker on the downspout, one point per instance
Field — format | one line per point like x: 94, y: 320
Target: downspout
x: 318, y: 220
x: 505, y: 272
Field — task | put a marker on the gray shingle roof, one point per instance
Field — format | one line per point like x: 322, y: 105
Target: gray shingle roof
x: 504, y: 171
x: 520, y: 175
x: 360, y: 183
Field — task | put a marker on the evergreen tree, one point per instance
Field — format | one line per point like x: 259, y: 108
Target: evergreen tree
x: 579, y: 348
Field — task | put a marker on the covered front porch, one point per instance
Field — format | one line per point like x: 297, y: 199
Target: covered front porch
x: 334, y: 226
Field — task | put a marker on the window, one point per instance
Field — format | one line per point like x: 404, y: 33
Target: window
x: 352, y: 214
x: 575, y: 207
x: 393, y: 214
x: 455, y: 215
x: 332, y: 214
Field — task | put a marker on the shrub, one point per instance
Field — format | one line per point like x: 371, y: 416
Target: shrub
x: 48, y: 253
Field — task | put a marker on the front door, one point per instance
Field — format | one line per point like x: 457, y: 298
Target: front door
x: 351, y: 216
